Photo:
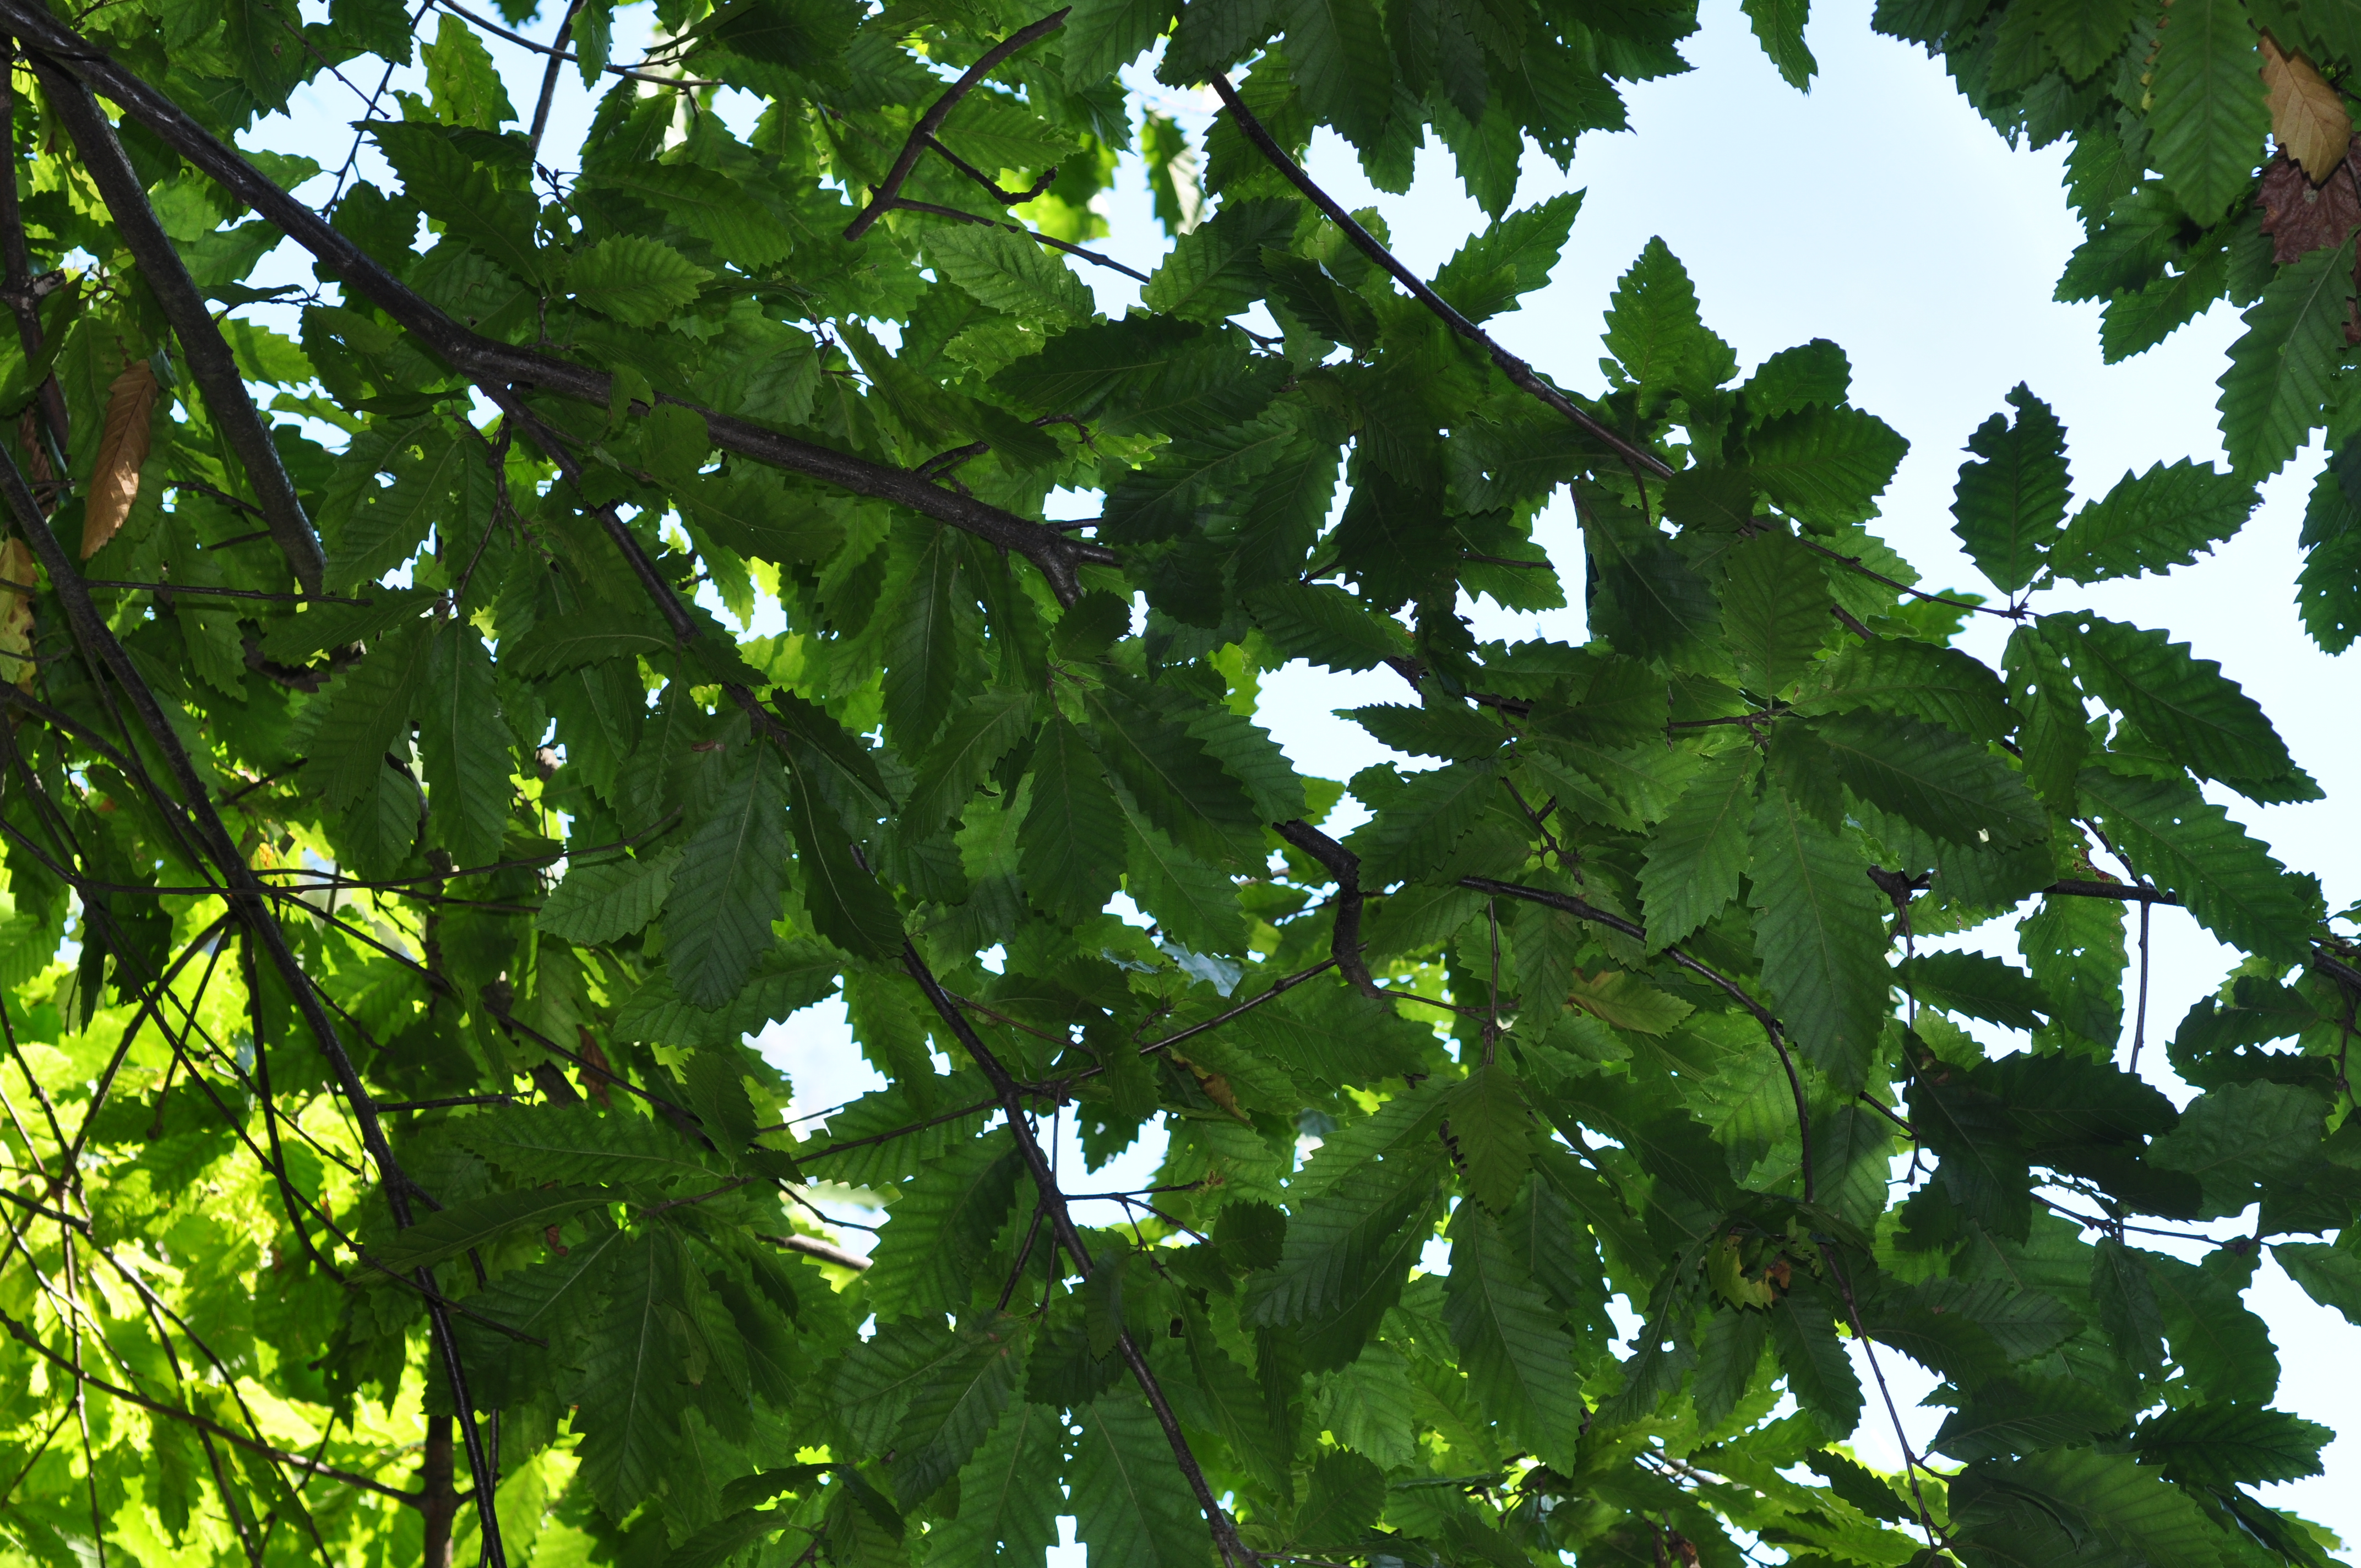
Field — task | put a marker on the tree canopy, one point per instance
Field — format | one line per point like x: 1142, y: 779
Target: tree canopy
x: 404, y: 831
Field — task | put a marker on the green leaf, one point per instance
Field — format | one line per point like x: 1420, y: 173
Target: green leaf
x: 1654, y: 330
x: 1338, y: 59
x: 2189, y: 846
x: 1348, y: 1493
x: 1511, y: 257
x: 1825, y: 467
x: 2086, y: 34
x: 727, y: 888
x: 392, y: 524
x: 2011, y: 504
x: 943, y: 1227
x: 709, y: 205
x: 1517, y: 1358
x: 1943, y: 785
x: 580, y: 1143
x: 2207, y: 124
x: 637, y: 280
x: 574, y: 638
x: 982, y: 733
x: 1699, y: 848
x: 1977, y: 985
x: 2152, y: 522
x: 1001, y: 1502
x: 2223, y: 1445
x: 609, y: 900
x: 1899, y: 675
x: 1072, y: 842
x: 462, y: 82
x: 363, y: 715
x: 2077, y: 1504
x: 1779, y: 28
x: 923, y: 644
x: 1819, y: 929
x: 2234, y: 1137
x: 2279, y: 376
x: 632, y: 1391
x: 1176, y: 782
x: 1102, y: 36
x: 1729, y: 1356
x: 1775, y: 611
x: 1819, y: 1374
x: 1013, y: 272
x: 1412, y: 833
x: 2226, y: 1352
x: 479, y: 1221
x: 464, y: 197
x: 1193, y: 903
x: 848, y: 904
x: 1130, y: 1503
x: 1215, y: 270
x: 2202, y: 719
x: 948, y: 1414
x: 1492, y: 1134
x: 1326, y: 625
x: 464, y: 746
x: 1449, y: 731
x: 2328, y: 1275
x: 2010, y: 1416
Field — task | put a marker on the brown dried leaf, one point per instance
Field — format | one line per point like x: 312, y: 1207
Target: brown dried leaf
x: 16, y: 565
x: 2301, y: 217
x: 2308, y: 118
x: 114, y: 482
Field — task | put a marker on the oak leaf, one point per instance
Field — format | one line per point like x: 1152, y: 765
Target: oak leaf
x: 2308, y: 116
x: 122, y: 448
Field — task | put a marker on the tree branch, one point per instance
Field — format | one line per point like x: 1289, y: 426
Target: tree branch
x: 496, y: 367
x: 884, y: 198
x: 1061, y: 1225
x: 1521, y: 374
x: 211, y: 364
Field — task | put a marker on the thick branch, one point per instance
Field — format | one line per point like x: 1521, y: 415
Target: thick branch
x: 499, y: 366
x: 1061, y: 1223
x: 915, y: 147
x: 211, y: 364
x: 1344, y: 867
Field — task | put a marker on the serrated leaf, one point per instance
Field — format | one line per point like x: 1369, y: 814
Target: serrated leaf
x: 2223, y: 1445
x: 1826, y: 468
x: 1774, y: 611
x: 1413, y: 833
x: 1171, y: 777
x: 1513, y: 257
x: 479, y: 1221
x: 1819, y: 1375
x: 2200, y: 718
x: 473, y: 207
x: 1450, y: 731
x: 573, y: 639
x: 364, y: 714
x: 632, y: 1391
x: 390, y: 523
x: 708, y: 205
x: 1902, y: 675
x: 1103, y: 35
x: 2189, y: 845
x: 1012, y: 272
x: 2011, y: 1416
x: 1779, y: 27
x: 2152, y: 522
x: 2236, y: 1135
x: 2280, y: 369
x: 1654, y: 330
x: 1977, y: 985
x: 1215, y: 270
x: 2011, y: 503
x: 2208, y: 121
x: 1700, y: 847
x: 580, y: 1143
x: 609, y: 900
x: 464, y: 746
x: 2328, y: 1275
x: 982, y: 733
x: 1338, y: 59
x: 2224, y: 1350
x: 948, y: 1414
x: 1327, y: 625
x: 1492, y: 1134
x: 1819, y: 930
x: 943, y: 1222
x: 1130, y: 1503
x: 637, y: 280
x: 1517, y: 1358
x: 1006, y: 1514
x: 727, y: 885
x: 1945, y: 786
x: 1072, y: 846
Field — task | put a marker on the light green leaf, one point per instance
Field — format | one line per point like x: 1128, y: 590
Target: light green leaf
x: 1102, y: 36
x: 461, y: 81
x: 365, y: 714
x: 1011, y: 273
x: 2202, y: 718
x: 389, y: 524
x: 1001, y: 1502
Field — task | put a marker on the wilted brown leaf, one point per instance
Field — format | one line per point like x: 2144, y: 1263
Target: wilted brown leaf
x: 16, y: 565
x: 2302, y: 217
x: 122, y: 448
x: 2308, y: 118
